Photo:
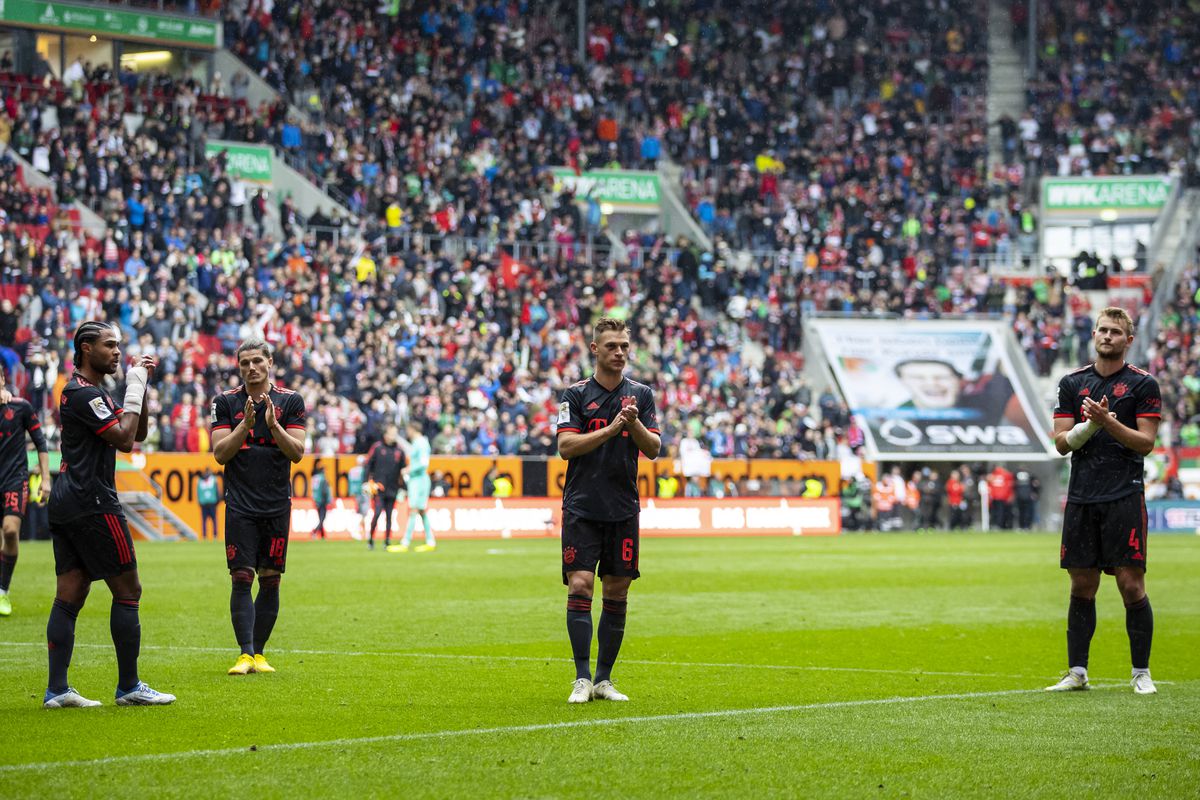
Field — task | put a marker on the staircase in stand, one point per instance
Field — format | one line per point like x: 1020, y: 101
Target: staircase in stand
x: 149, y: 519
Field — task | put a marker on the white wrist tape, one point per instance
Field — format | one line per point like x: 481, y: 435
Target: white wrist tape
x: 135, y: 389
x: 1077, y: 437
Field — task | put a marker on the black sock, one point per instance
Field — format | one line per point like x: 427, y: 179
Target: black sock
x: 60, y: 641
x: 241, y: 611
x: 1081, y: 624
x: 579, y: 630
x: 1139, y: 624
x: 610, y: 633
x: 7, y: 565
x: 126, y: 631
x: 266, y: 610
x: 376, y: 511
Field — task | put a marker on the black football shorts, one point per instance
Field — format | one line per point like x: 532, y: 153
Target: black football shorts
x: 256, y: 542
x: 98, y: 544
x: 606, y: 548
x: 1105, y: 535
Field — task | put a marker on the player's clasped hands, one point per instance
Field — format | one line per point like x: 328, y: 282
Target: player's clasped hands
x: 629, y: 413
x: 1097, y: 412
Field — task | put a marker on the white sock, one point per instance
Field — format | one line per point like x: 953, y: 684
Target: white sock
x: 1137, y: 672
x: 1080, y: 671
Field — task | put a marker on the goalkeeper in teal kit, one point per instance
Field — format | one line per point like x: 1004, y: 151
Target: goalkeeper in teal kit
x: 416, y: 475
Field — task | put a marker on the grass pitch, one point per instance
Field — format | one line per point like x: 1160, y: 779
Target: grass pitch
x: 863, y: 666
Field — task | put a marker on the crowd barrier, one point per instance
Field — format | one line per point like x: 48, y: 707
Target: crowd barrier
x: 527, y: 517
x: 1173, y: 516
x: 538, y: 478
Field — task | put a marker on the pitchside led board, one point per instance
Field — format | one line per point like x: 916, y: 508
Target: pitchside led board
x: 934, y: 391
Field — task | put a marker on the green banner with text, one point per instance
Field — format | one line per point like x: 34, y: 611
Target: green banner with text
x: 1092, y: 196
x: 250, y: 162
x: 108, y: 21
x: 625, y: 190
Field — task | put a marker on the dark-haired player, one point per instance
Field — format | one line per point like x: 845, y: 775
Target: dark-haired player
x: 604, y: 423
x: 17, y: 418
x: 257, y: 434
x: 91, y: 538
x: 1107, y: 417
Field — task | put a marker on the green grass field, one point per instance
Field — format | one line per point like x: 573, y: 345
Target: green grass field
x: 863, y: 666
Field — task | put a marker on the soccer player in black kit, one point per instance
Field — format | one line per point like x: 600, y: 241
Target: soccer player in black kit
x: 17, y: 418
x: 385, y: 460
x: 90, y: 535
x: 257, y: 434
x: 604, y: 423
x: 1107, y: 417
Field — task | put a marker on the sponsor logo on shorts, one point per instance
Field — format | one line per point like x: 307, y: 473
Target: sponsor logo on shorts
x: 568, y: 555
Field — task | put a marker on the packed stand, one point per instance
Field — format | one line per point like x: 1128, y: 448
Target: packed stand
x: 177, y: 266
x: 1116, y: 92
x: 1174, y: 360
x: 369, y: 336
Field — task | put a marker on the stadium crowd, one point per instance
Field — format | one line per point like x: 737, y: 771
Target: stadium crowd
x: 385, y: 320
x: 1116, y: 92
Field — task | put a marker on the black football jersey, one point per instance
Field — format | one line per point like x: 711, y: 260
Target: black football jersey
x: 16, y: 419
x: 1104, y: 469
x: 602, y: 485
x: 258, y: 479
x: 384, y: 462
x: 86, y: 483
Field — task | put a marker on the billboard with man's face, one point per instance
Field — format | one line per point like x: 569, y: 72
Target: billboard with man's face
x: 927, y: 391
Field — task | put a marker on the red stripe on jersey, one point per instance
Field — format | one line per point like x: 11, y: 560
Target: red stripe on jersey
x: 35, y: 426
x: 222, y: 426
x: 1155, y: 415
x: 296, y: 427
x: 109, y: 425
x: 654, y: 430
x: 569, y: 430
x: 1064, y: 416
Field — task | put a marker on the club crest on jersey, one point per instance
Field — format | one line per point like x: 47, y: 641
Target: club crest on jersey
x: 1119, y: 390
x: 8, y: 413
x: 100, y: 408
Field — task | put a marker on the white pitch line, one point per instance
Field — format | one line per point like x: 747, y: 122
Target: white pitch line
x: 545, y: 726
x: 543, y: 659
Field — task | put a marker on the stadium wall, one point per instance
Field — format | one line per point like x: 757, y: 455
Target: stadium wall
x: 542, y: 478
